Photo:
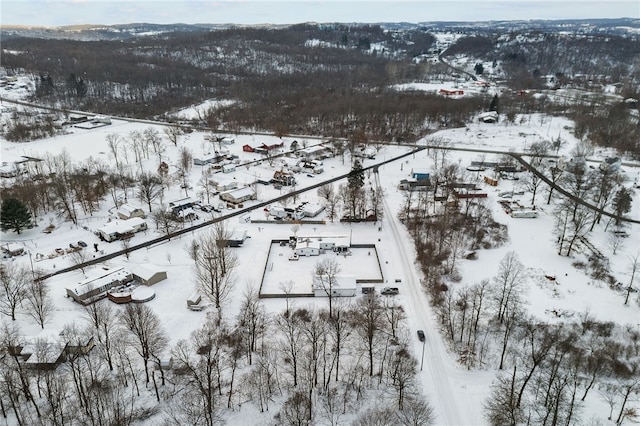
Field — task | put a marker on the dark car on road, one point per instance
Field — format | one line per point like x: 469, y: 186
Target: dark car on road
x: 390, y: 291
x: 421, y: 335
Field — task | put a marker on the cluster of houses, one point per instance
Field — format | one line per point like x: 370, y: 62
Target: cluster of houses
x: 303, y: 210
x: 118, y: 284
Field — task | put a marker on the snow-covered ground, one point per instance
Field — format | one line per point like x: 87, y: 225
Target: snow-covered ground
x: 456, y: 393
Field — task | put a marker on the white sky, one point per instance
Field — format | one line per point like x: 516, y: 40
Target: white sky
x: 71, y: 12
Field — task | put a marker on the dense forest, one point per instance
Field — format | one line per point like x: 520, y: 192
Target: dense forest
x: 332, y: 80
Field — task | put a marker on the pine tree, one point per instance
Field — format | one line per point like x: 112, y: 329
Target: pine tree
x: 356, y: 176
x: 494, y: 104
x: 621, y: 203
x: 14, y: 215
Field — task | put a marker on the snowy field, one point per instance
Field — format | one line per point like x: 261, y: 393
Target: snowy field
x: 456, y: 393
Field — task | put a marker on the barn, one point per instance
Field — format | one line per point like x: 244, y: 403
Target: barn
x: 149, y: 274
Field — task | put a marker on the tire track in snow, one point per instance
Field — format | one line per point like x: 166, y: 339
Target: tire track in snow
x: 437, y: 363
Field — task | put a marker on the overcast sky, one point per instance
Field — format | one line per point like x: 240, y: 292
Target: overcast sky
x: 71, y: 12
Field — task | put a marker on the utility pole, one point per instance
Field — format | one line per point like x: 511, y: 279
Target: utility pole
x: 422, y: 360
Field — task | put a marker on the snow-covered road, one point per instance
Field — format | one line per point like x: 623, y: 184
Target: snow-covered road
x: 438, y: 368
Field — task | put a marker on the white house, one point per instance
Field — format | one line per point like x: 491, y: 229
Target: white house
x: 115, y: 230
x: 96, y: 287
x: 342, y: 286
x: 308, y: 248
x: 128, y: 211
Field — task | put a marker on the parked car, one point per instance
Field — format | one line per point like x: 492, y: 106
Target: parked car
x: 82, y: 244
x: 368, y: 290
x: 421, y: 335
x: 390, y: 291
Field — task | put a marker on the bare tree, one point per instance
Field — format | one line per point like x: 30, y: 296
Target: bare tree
x: 367, y: 321
x: 102, y: 319
x: 165, y: 221
x: 416, y: 412
x: 328, y: 193
x: 511, y: 276
x: 326, y: 278
x: 185, y: 164
x: 215, y: 265
x: 252, y: 319
x: 173, y: 132
x: 39, y: 303
x: 199, y: 360
x: 402, y: 370
x: 14, y: 282
x: 113, y: 142
x: 634, y: 265
x: 149, y: 188
x: 145, y: 328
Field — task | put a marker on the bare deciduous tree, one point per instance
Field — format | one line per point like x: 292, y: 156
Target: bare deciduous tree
x: 39, y: 303
x: 145, y: 328
x: 215, y: 265
x: 14, y: 282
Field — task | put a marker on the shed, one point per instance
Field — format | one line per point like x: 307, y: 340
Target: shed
x: 149, y: 274
x: 128, y: 211
x: 420, y: 174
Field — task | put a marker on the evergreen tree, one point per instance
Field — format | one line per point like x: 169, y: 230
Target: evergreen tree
x: 494, y: 104
x: 356, y: 177
x: 14, y: 215
x: 621, y: 203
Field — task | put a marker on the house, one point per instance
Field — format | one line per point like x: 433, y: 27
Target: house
x: 307, y: 247
x: 414, y: 185
x: 149, y: 274
x: 50, y: 347
x: 228, y: 168
x: 448, y: 92
x: 181, y: 204
x: 252, y: 148
x: 488, y: 117
x: 227, y: 141
x: 222, y: 185
x: 610, y: 164
x: 128, y: 211
x: 524, y: 213
x: 96, y: 287
x: 121, y: 229
x: 342, y: 286
x: 283, y: 178
x: 365, y: 152
x: 239, y: 195
x: 314, y: 152
x: 205, y: 159
x: 188, y: 214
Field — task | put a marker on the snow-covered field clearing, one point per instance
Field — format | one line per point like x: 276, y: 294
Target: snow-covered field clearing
x: 456, y: 394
